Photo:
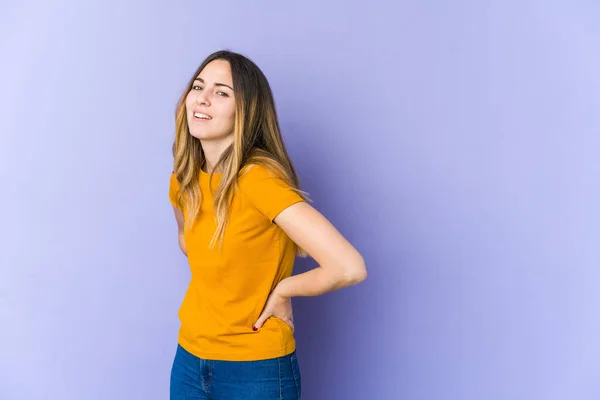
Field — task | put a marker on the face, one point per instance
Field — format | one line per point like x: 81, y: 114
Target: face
x: 210, y: 103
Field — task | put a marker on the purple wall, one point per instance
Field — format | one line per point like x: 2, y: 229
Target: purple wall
x: 454, y: 143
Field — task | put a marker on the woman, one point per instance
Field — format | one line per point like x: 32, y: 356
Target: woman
x: 242, y: 219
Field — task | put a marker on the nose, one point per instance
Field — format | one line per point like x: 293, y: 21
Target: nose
x: 201, y: 98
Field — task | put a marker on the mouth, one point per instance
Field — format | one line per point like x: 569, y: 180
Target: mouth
x: 198, y: 116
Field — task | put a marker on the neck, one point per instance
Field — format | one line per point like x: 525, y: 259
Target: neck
x: 212, y: 152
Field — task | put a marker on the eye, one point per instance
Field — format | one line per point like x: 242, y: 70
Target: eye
x: 222, y: 94
x: 196, y: 88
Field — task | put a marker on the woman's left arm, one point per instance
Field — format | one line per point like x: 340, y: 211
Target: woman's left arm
x: 340, y: 264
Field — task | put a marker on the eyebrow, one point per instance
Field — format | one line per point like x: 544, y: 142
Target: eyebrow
x: 216, y: 84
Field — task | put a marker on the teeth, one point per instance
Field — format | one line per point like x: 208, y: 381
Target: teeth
x: 202, y: 116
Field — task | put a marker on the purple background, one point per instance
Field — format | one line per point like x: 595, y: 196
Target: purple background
x: 454, y: 143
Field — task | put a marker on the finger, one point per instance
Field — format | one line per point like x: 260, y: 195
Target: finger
x: 260, y: 321
x: 290, y: 323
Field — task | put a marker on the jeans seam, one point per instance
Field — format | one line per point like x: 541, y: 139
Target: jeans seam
x: 209, y: 377
x: 292, y: 357
x: 279, y: 372
x: 202, y: 376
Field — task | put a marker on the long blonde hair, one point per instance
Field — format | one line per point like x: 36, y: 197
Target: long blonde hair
x: 257, y: 140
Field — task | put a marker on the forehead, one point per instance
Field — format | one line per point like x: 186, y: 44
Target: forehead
x: 217, y: 71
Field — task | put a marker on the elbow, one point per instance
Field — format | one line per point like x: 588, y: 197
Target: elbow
x: 356, y: 274
x: 357, y: 277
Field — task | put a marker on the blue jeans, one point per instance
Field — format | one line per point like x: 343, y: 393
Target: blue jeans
x: 200, y: 379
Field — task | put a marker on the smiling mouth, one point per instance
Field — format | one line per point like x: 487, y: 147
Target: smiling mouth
x: 201, y: 116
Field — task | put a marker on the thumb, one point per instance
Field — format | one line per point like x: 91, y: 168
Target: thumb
x: 260, y: 321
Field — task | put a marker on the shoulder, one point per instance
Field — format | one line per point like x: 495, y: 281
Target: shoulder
x: 173, y: 180
x: 257, y: 175
x: 256, y: 172
x: 266, y: 191
x: 174, y: 188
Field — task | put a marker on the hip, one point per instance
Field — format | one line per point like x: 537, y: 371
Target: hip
x: 265, y: 379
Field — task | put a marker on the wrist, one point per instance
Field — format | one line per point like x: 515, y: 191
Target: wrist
x: 280, y: 289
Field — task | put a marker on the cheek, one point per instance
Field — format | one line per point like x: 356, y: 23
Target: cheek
x: 227, y: 120
x: 189, y: 100
x: 232, y: 114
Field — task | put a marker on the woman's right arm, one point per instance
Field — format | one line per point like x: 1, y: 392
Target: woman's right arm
x: 180, y: 221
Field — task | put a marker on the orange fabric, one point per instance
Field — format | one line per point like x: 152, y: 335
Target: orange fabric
x: 228, y: 289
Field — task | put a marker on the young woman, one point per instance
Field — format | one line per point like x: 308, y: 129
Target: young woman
x: 242, y: 219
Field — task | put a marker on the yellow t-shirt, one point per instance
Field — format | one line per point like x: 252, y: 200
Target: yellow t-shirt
x: 229, y: 289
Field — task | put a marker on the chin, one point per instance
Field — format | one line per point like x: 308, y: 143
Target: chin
x: 199, y: 135
x: 205, y: 135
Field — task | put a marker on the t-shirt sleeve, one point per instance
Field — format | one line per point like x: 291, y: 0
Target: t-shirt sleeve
x: 266, y: 192
x: 173, y: 191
